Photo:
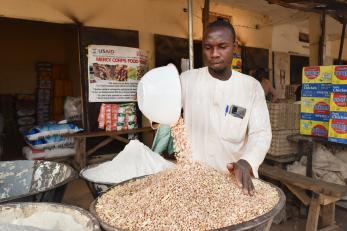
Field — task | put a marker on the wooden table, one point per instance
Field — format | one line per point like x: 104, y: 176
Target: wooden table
x: 323, y: 195
x: 80, y: 142
x: 322, y: 201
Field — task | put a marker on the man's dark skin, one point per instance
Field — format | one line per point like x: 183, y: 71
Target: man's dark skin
x: 218, y: 45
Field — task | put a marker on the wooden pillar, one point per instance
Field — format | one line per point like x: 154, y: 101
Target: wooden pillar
x: 80, y: 149
x: 205, y: 15
x: 328, y: 215
x: 146, y: 43
x: 321, y: 51
x: 342, y: 42
x: 314, y: 35
x: 313, y: 214
x: 190, y: 29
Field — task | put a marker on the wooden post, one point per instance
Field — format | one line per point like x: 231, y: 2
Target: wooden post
x: 328, y: 215
x: 205, y: 15
x: 342, y: 42
x: 205, y: 20
x: 322, y: 40
x: 314, y: 33
x: 313, y: 214
x: 80, y: 156
x: 309, y: 170
x: 190, y: 30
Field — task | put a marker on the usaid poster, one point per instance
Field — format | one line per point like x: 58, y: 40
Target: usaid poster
x: 114, y: 72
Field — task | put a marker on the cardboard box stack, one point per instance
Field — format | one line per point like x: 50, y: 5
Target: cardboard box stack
x: 315, y: 100
x: 237, y: 61
x: 62, y: 87
x: 25, y: 111
x: 52, y: 89
x: 44, y: 92
x: 338, y: 106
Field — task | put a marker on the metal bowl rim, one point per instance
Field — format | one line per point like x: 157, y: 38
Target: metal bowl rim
x: 73, y: 176
x: 84, y: 212
x: 104, y: 183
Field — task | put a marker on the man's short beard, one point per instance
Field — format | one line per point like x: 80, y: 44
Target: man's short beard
x: 219, y: 71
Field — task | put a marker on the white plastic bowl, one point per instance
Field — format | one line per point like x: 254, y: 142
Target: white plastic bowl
x: 159, y: 95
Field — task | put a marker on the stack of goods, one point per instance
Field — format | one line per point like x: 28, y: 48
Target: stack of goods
x: 48, y: 140
x: 237, y: 61
x: 285, y: 121
x: 117, y: 117
x: 8, y: 125
x: 44, y: 92
x: 315, y: 100
x: 180, y: 198
x: 73, y: 109
x: 25, y: 112
x: 338, y: 106
x: 62, y: 87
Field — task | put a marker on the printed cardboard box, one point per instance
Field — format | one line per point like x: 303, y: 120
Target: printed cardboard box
x: 339, y: 79
x: 338, y: 127
x: 338, y: 102
x: 315, y: 105
x: 314, y: 128
x: 317, y: 74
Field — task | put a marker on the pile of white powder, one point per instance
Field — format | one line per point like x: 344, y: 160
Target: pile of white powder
x: 43, y: 221
x: 134, y: 161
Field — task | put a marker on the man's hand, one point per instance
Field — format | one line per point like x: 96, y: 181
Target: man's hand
x: 242, y: 170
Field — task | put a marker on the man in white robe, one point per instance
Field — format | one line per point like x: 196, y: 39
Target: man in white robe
x: 225, y: 111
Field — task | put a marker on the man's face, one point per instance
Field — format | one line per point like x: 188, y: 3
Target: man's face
x: 218, y: 46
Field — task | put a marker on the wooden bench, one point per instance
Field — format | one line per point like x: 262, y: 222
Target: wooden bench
x: 321, y: 203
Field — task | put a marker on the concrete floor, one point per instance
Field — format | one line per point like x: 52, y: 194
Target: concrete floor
x: 77, y: 193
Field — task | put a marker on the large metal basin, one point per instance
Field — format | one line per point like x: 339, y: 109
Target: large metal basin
x: 79, y: 219
x: 261, y: 223
x: 23, y: 179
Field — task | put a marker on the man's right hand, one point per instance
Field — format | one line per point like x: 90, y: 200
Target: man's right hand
x: 242, y: 171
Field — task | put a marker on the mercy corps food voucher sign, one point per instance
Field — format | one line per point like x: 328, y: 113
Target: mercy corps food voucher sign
x: 114, y: 72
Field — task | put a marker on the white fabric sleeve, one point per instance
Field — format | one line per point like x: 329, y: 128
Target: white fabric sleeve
x: 259, y: 132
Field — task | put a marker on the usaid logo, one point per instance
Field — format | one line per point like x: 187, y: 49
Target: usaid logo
x: 102, y: 51
x: 94, y: 51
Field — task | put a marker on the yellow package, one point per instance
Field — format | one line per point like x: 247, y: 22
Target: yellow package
x: 338, y: 127
x: 236, y: 64
x: 339, y: 79
x: 338, y: 102
x: 314, y: 128
x: 315, y: 105
x: 339, y: 74
x: 317, y: 74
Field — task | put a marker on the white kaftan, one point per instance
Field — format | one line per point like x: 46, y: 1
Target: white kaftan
x: 225, y: 120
